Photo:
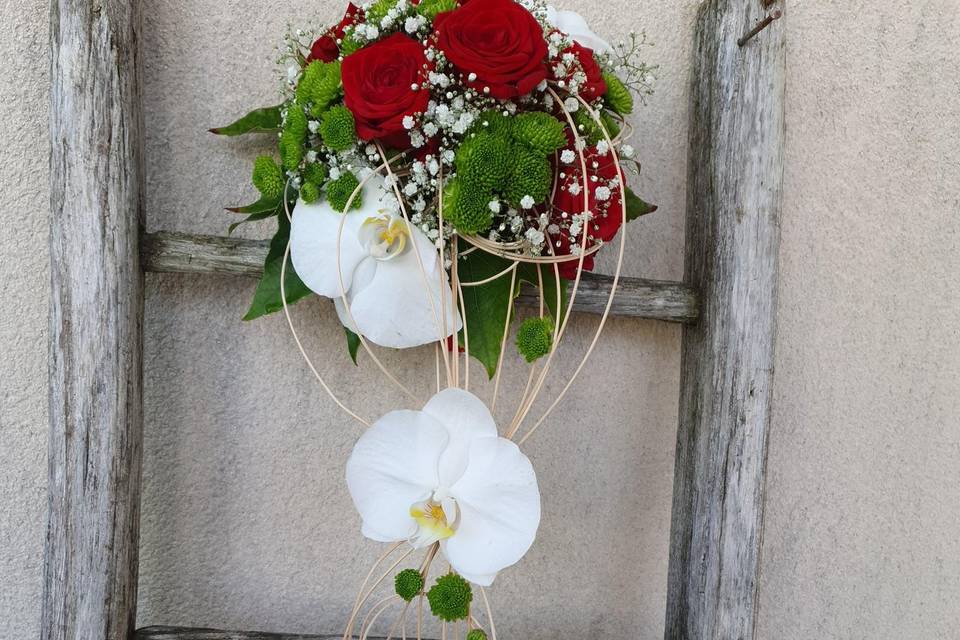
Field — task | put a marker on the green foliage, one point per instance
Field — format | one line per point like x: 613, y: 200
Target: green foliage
x: 408, y: 583
x: 637, y: 207
x: 309, y: 192
x: 450, y: 598
x: 467, y: 206
x: 483, y: 160
x: 266, y: 120
x: 477, y: 634
x: 540, y: 131
x: 268, y: 178
x: 267, y: 298
x: 340, y: 190
x: 487, y: 304
x: 265, y: 207
x: 338, y: 128
x: 353, y: 344
x: 618, y: 97
x: 319, y: 86
x: 531, y: 175
x: 535, y: 338
x: 431, y: 8
x: 591, y: 131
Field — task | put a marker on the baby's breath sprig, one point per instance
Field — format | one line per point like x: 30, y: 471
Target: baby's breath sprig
x: 635, y: 74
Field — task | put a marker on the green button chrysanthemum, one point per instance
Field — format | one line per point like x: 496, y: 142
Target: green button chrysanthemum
x: 467, y: 206
x: 477, y: 634
x: 268, y: 177
x: 408, y: 583
x: 531, y: 176
x: 315, y: 173
x: 450, y: 598
x: 540, y: 131
x: 291, y: 150
x: 340, y: 190
x: 535, y: 338
x: 309, y: 192
x: 338, y: 128
x: 319, y: 86
x: 484, y: 160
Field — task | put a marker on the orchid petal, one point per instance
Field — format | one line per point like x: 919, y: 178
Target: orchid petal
x: 465, y: 418
x: 315, y: 229
x: 575, y: 26
x: 499, y: 504
x: 393, y: 466
x: 394, y: 309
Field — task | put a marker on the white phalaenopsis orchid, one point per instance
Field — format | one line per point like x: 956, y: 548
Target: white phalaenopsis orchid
x: 384, y: 283
x: 573, y: 24
x: 444, y: 475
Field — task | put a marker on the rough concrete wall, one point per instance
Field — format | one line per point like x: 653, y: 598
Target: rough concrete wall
x: 24, y: 289
x: 246, y: 519
x: 862, y: 518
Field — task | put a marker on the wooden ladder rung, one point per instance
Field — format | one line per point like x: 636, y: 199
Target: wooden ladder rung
x: 165, y: 252
x: 185, y: 633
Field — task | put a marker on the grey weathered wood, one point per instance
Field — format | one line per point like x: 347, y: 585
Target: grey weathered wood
x: 90, y: 562
x: 636, y: 297
x: 734, y: 200
x: 183, y: 633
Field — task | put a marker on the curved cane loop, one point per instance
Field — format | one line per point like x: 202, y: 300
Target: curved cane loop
x: 441, y: 325
x: 506, y: 332
x: 343, y: 291
x: 293, y: 331
x: 616, y: 275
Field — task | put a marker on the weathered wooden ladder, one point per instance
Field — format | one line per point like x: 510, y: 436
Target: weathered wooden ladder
x: 99, y: 256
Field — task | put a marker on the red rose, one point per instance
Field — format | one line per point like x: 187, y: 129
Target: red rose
x: 326, y: 48
x: 595, y: 86
x: 377, y: 83
x: 499, y: 41
x: 606, y: 212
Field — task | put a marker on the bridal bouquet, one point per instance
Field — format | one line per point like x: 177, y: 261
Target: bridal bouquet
x: 433, y: 158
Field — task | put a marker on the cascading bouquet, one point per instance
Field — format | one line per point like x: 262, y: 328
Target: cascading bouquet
x: 433, y: 156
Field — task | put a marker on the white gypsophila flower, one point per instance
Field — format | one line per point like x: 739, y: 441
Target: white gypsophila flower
x: 392, y: 301
x: 627, y: 151
x: 576, y: 27
x: 571, y: 105
x: 602, y: 193
x: 494, y: 206
x: 408, y: 122
x: 535, y: 236
x: 603, y: 147
x: 527, y: 202
x: 575, y: 188
x: 568, y: 156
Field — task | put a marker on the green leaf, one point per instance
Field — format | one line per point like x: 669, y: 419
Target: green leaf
x: 267, y: 298
x: 486, y: 305
x: 637, y: 207
x: 353, y: 344
x: 266, y: 120
x: 263, y: 205
x: 253, y: 217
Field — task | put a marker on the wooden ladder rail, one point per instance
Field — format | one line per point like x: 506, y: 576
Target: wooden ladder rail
x: 90, y: 561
